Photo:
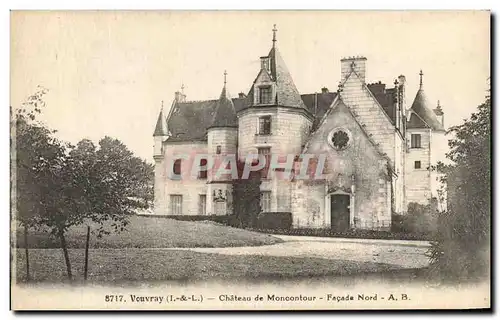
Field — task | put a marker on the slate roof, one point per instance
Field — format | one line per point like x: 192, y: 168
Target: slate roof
x: 161, y: 125
x: 286, y: 91
x: 386, y: 97
x: 318, y: 104
x: 422, y: 115
x: 224, y: 114
x: 190, y: 120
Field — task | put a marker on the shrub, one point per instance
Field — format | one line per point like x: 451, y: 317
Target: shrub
x: 419, y: 219
x: 219, y: 219
x: 353, y: 233
x: 274, y: 220
x: 246, y: 198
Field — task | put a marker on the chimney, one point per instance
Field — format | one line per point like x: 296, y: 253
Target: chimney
x: 241, y: 95
x: 439, y: 113
x: 324, y: 90
x: 356, y: 64
x: 402, y: 93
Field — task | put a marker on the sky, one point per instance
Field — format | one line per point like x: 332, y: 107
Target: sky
x: 109, y: 71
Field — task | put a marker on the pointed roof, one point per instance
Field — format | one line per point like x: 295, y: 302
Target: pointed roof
x: 422, y: 115
x: 161, y: 124
x: 225, y: 114
x: 286, y: 92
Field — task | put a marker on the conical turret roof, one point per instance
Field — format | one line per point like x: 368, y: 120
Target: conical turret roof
x: 286, y: 92
x: 225, y: 114
x: 161, y: 125
x: 422, y: 114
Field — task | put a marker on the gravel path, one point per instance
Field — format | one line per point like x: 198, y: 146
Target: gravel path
x: 405, y: 254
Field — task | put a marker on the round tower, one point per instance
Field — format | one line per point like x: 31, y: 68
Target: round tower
x: 275, y: 123
x: 222, y: 148
x: 160, y: 135
x: 424, y: 131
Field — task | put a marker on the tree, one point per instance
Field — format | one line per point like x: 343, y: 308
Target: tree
x: 464, y: 230
x: 59, y: 185
x: 246, y: 198
x: 37, y: 162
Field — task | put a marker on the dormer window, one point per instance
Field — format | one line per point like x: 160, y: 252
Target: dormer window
x: 265, y: 95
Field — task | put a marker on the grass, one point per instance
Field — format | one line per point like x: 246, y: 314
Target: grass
x: 132, y: 265
x: 151, y: 232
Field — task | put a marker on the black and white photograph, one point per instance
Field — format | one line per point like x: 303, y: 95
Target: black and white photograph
x: 250, y: 160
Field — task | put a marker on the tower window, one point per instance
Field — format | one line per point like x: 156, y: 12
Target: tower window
x: 265, y: 95
x: 418, y: 165
x: 218, y: 150
x: 265, y: 125
x: 416, y: 141
x: 266, y: 152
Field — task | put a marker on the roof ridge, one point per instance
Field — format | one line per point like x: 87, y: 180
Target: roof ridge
x: 193, y: 101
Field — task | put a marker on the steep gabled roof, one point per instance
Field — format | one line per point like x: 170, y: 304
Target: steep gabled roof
x: 339, y: 102
x: 225, y: 114
x: 385, y: 97
x: 161, y: 125
x: 422, y: 116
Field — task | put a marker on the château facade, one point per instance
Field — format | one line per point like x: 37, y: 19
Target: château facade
x: 378, y: 148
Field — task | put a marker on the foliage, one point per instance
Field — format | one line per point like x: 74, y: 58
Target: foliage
x: 419, y: 218
x: 464, y: 230
x: 58, y: 185
x: 274, y: 220
x: 352, y: 233
x: 246, y: 198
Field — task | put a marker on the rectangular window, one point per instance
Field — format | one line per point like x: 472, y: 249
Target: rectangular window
x: 265, y: 201
x: 265, y: 95
x: 203, y: 172
x: 176, y: 204
x: 416, y: 141
x: 202, y: 205
x: 418, y: 165
x: 266, y: 152
x: 265, y: 125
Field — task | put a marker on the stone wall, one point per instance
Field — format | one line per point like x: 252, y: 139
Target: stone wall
x: 189, y: 188
x: 361, y: 160
x: 289, y: 132
x: 369, y: 114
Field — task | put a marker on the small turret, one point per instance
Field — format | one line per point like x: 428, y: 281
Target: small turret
x: 439, y: 113
x: 160, y: 134
x: 421, y: 114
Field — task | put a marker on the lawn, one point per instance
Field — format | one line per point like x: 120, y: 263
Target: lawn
x: 133, y: 265
x: 154, y: 232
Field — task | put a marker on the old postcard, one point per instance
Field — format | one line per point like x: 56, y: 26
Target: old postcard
x: 250, y: 160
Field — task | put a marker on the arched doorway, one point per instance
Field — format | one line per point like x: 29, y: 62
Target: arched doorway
x: 340, y: 212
